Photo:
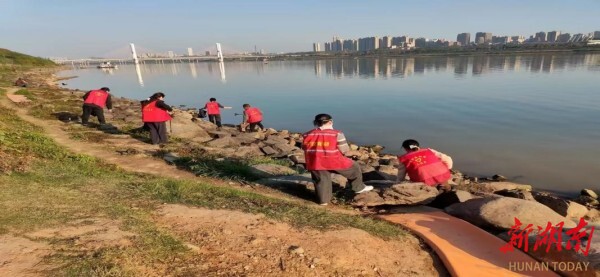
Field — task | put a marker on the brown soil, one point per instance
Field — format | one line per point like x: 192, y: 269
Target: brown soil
x: 234, y: 243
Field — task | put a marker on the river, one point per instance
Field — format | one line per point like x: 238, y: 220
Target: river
x: 533, y: 118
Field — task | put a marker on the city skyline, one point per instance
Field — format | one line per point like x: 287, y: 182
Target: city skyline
x: 92, y: 28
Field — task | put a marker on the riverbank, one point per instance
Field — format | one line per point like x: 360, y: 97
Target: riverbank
x: 259, y: 160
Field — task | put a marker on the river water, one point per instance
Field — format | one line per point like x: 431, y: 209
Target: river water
x: 533, y: 118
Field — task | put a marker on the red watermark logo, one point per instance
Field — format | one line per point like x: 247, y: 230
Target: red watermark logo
x: 549, y: 236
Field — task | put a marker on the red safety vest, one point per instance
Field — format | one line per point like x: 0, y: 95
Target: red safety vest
x: 253, y: 115
x: 321, y: 151
x: 212, y: 108
x: 97, y: 97
x: 424, y: 166
x: 152, y: 113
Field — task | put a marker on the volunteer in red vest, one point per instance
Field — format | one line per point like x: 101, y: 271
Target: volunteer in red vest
x: 213, y: 109
x: 324, y: 149
x: 94, y: 102
x: 155, y: 114
x: 425, y: 165
x: 252, y: 117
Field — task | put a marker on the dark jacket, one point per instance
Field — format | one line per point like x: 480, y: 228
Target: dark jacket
x: 159, y: 103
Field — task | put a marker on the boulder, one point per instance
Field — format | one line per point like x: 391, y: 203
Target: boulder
x: 304, y: 180
x: 389, y: 172
x: 298, y: 158
x: 357, y: 154
x: 182, y: 126
x: 590, y: 193
x: 373, y: 176
x: 500, y: 212
x: 397, y: 194
x: 515, y: 193
x: 499, y: 178
x: 283, y: 150
x: 218, y: 134
x: 389, y: 161
x: 248, y: 151
x: 492, y: 187
x: 446, y: 199
x: 223, y: 142
x: 268, y: 150
x: 270, y: 170
x: 561, y: 206
x: 587, y: 201
x: 247, y: 138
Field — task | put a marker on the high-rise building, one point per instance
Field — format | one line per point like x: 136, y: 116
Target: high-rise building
x: 578, y: 37
x: 421, y: 42
x: 553, y: 36
x: 327, y: 47
x: 385, y: 42
x: 316, y: 47
x: 540, y: 37
x: 483, y: 38
x: 563, y: 37
x: 207, y: 53
x: 368, y: 44
x: 517, y: 39
x: 500, y: 39
x: 350, y: 45
x: 337, y: 45
x: 170, y: 54
x: 596, y: 35
x: 464, y: 39
x: 190, y: 52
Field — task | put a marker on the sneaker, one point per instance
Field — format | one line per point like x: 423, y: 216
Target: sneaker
x: 365, y: 189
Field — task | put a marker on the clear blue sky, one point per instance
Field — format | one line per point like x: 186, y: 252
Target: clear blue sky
x: 82, y: 28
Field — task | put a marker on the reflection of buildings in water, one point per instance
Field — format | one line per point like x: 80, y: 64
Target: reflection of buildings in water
x: 318, y: 65
x: 193, y: 70
x: 547, y: 64
x: 174, y: 69
x: 536, y: 63
x: 461, y: 65
x: 210, y: 67
x: 138, y: 71
x: 419, y: 65
x: 222, y: 71
x: 481, y: 64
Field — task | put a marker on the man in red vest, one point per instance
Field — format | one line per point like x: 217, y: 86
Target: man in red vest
x: 425, y: 165
x: 214, y: 113
x: 94, y: 102
x: 323, y: 150
x: 252, y: 117
x: 155, y: 114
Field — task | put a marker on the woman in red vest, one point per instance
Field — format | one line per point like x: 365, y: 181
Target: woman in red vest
x: 253, y: 117
x: 213, y: 109
x: 323, y: 150
x: 155, y: 114
x: 425, y: 165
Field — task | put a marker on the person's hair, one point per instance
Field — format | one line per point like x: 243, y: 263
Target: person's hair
x: 157, y: 95
x: 105, y: 89
x: 410, y: 145
x: 321, y: 119
x: 213, y: 99
x: 245, y: 105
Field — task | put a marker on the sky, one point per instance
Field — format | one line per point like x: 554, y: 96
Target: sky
x: 85, y: 28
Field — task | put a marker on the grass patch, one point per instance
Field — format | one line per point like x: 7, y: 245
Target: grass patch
x: 25, y: 93
x: 15, y: 58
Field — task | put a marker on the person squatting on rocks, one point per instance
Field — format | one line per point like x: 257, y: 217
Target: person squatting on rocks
x: 94, y: 102
x: 252, y: 117
x: 213, y: 108
x: 155, y: 114
x: 323, y: 149
x: 21, y: 83
x: 425, y: 165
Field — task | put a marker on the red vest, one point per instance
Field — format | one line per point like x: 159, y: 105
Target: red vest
x: 424, y: 166
x: 97, y: 97
x: 152, y: 113
x: 253, y: 115
x: 321, y: 151
x: 212, y: 108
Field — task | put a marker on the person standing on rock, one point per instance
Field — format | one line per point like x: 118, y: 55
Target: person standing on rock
x: 323, y: 148
x: 213, y: 108
x: 155, y: 114
x: 425, y: 165
x: 252, y: 117
x: 94, y: 102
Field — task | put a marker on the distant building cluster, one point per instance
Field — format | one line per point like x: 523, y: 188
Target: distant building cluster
x: 462, y: 40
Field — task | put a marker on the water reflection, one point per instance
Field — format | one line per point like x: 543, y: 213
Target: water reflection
x: 139, y: 75
x: 222, y: 71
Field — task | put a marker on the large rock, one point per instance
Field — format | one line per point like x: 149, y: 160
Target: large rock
x: 247, y: 138
x: 500, y: 212
x: 389, y: 172
x: 182, y: 126
x: 270, y: 170
x: 374, y: 176
x: 398, y: 194
x: 298, y: 158
x: 446, y: 199
x: 515, y: 193
x: 248, y: 151
x: 492, y: 187
x: 587, y: 201
x: 223, y: 142
x: 561, y: 206
x: 218, y: 134
x: 590, y: 193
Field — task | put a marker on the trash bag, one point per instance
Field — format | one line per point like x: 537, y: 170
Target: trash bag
x: 202, y: 113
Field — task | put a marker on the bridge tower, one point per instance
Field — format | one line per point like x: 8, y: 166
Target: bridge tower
x: 219, y: 52
x: 134, y: 54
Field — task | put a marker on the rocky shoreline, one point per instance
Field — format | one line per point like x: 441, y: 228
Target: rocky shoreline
x: 491, y: 203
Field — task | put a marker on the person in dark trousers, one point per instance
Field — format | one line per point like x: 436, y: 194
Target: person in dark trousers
x: 213, y: 108
x: 324, y: 149
x: 252, y: 117
x: 155, y: 114
x: 94, y: 102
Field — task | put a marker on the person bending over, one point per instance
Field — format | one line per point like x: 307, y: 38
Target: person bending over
x: 94, y: 102
x: 155, y: 114
x: 253, y: 117
x: 425, y: 165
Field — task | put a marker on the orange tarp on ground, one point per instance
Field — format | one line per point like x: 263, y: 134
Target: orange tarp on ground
x: 465, y: 249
